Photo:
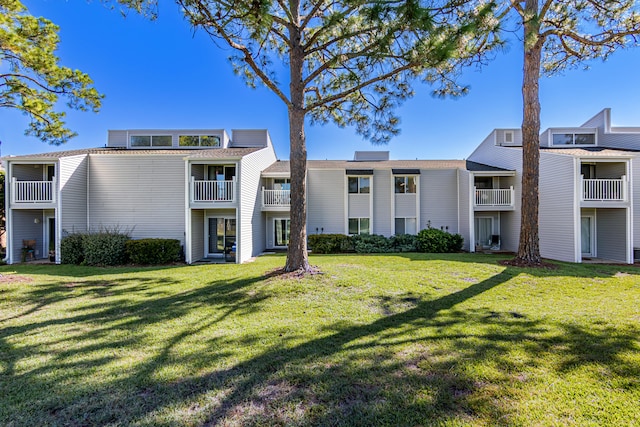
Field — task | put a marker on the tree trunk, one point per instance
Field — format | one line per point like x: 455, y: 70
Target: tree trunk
x: 297, y: 258
x: 529, y: 247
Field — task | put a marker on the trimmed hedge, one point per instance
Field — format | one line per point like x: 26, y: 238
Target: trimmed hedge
x: 428, y: 240
x: 330, y: 243
x: 433, y: 240
x: 153, y: 251
x: 105, y: 248
x: 72, y: 249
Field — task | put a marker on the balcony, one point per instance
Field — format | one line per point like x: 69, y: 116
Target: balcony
x: 275, y: 200
x: 207, y: 191
x: 604, y: 190
x: 33, y: 193
x: 493, y: 199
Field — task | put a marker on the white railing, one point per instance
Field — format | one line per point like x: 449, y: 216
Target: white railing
x: 212, y: 191
x: 602, y: 190
x: 33, y: 191
x: 276, y: 198
x: 494, y: 197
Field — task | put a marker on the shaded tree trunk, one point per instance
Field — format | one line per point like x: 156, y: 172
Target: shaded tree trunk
x: 529, y: 247
x: 297, y: 258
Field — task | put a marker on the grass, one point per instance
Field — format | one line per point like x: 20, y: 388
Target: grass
x: 449, y: 340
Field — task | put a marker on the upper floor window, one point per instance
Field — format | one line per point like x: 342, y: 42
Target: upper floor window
x: 150, y: 141
x: 405, y: 184
x: 199, y: 141
x: 359, y: 184
x: 574, y: 139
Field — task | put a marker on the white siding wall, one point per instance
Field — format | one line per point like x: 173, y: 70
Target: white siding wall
x: 465, y: 212
x: 73, y: 194
x: 611, y: 234
x: 117, y: 138
x: 382, y: 194
x: 359, y: 206
x: 557, y: 204
x: 24, y: 228
x: 635, y: 177
x: 405, y: 205
x: 197, y: 235
x: 325, y: 200
x: 439, y: 198
x: 607, y: 170
x: 144, y: 194
x: 627, y: 141
x: 250, y: 138
x: 252, y: 227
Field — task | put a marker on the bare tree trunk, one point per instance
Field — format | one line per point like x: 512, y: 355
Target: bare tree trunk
x: 529, y: 247
x: 297, y: 258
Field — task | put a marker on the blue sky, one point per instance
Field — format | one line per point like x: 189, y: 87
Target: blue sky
x: 163, y: 75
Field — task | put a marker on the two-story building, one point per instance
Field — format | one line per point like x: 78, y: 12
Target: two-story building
x: 223, y: 195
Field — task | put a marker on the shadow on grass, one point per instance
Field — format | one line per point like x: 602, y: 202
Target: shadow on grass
x: 393, y: 371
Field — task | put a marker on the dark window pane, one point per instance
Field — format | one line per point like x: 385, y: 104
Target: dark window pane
x: 364, y: 226
x: 399, y: 184
x: 411, y: 184
x: 562, y: 138
x: 364, y: 185
x: 353, y: 225
x: 140, y: 141
x: 400, y: 226
x: 585, y: 139
x: 353, y: 184
x: 161, y: 141
x: 188, y: 140
x: 209, y: 141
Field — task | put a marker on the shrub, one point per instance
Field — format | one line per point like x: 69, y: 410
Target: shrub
x: 330, y: 243
x: 153, y: 251
x: 105, y: 248
x: 437, y: 241
x: 370, y: 243
x: 403, y: 243
x: 72, y: 249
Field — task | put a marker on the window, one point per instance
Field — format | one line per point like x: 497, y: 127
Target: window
x: 483, y: 231
x: 221, y: 172
x: 281, y: 184
x: 150, y: 141
x: 359, y: 185
x: 405, y: 184
x: 199, y: 141
x: 281, y: 229
x: 483, y: 182
x: 405, y: 226
x: 574, y: 139
x: 508, y: 136
x: 359, y: 226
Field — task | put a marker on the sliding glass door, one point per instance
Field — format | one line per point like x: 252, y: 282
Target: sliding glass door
x: 222, y: 235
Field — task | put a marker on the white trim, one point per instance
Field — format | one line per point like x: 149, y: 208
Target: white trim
x: 346, y: 204
x: 392, y: 204
x: 630, y: 259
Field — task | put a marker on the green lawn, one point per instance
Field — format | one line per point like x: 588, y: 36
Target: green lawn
x: 375, y: 340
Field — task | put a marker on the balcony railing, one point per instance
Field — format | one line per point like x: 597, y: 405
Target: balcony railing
x: 212, y: 191
x: 276, y: 198
x: 604, y: 190
x: 33, y: 191
x: 499, y: 197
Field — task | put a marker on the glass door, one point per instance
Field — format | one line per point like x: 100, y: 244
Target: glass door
x: 586, y: 236
x: 222, y: 236
x: 484, y: 229
x: 281, y: 231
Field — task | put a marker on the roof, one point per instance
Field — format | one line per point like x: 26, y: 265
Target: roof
x: 211, y: 153
x: 591, y: 151
x: 480, y: 167
x: 282, y: 166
